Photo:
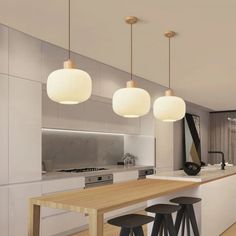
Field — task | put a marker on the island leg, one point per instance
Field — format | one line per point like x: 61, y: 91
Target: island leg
x: 34, y: 220
x: 95, y: 223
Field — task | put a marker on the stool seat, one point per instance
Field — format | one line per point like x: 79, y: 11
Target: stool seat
x: 163, y: 208
x: 131, y: 220
x: 185, y: 200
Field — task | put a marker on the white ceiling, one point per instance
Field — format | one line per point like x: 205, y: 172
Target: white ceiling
x: 204, y: 52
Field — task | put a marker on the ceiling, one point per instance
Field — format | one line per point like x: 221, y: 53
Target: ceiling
x: 203, y: 52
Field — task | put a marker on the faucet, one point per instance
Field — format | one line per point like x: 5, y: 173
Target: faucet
x: 222, y: 158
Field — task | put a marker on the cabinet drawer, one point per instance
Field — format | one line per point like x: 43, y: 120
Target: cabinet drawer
x: 60, y: 185
x: 125, y: 176
x: 61, y: 223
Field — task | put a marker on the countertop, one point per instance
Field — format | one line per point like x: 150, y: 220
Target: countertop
x: 110, y: 170
x: 114, y: 196
x: 209, y: 173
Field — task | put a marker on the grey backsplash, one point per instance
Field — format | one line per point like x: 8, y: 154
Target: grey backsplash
x: 63, y: 149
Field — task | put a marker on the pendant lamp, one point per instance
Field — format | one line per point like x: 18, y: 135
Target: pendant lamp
x: 169, y: 108
x: 131, y: 102
x: 69, y: 85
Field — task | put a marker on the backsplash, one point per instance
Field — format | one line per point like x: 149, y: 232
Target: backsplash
x: 66, y: 149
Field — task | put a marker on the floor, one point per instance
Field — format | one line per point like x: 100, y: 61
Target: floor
x: 110, y: 230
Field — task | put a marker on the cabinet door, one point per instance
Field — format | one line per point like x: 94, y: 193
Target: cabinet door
x: 19, y: 196
x: 4, y: 211
x: 24, y: 130
x: 125, y: 176
x: 59, y: 185
x: 3, y: 129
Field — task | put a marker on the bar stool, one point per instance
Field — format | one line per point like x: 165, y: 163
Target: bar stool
x: 186, y: 214
x: 131, y: 224
x: 163, y: 222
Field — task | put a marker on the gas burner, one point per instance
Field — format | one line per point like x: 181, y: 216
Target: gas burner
x: 81, y: 170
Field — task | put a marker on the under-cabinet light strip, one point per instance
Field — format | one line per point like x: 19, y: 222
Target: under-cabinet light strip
x: 79, y: 131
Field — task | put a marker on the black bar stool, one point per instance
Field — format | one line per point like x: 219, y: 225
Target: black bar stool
x: 186, y: 214
x: 131, y: 224
x: 163, y: 222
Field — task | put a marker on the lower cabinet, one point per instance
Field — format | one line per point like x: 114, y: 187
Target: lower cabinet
x: 19, y: 195
x: 4, y: 211
x: 125, y: 176
x: 54, y: 221
x: 119, y: 177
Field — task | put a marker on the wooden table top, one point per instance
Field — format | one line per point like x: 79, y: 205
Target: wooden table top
x: 111, y: 197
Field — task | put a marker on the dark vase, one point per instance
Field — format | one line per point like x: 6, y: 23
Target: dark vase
x: 191, y: 168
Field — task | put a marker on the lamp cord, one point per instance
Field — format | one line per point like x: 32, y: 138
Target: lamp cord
x: 131, y: 51
x: 169, y: 63
x: 69, y: 53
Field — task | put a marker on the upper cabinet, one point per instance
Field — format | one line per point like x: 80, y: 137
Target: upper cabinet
x: 4, y: 129
x: 4, y: 49
x: 24, y: 130
x: 25, y: 57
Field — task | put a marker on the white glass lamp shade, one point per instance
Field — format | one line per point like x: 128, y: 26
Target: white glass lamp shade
x: 69, y: 86
x: 131, y: 102
x: 169, y: 108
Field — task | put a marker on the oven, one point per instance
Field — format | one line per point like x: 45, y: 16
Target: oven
x: 98, y: 180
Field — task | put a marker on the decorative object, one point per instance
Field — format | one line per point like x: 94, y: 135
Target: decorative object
x: 169, y: 107
x: 129, y: 159
x: 69, y: 85
x: 191, y: 168
x: 131, y: 102
x: 192, y: 144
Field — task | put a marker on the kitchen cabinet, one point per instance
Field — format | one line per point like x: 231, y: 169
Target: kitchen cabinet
x: 4, y: 211
x: 56, y: 221
x: 24, y: 130
x: 49, y: 112
x: 19, y: 195
x: 119, y: 177
x: 4, y: 129
x: 125, y: 176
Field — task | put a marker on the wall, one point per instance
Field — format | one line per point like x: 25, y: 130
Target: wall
x: 169, y: 140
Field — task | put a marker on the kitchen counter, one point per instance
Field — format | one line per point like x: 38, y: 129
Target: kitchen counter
x: 99, y: 200
x: 208, y: 173
x: 217, y: 191
x: 110, y: 170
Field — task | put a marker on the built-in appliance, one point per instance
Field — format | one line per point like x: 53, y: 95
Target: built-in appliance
x: 82, y: 170
x: 143, y: 173
x: 98, y: 180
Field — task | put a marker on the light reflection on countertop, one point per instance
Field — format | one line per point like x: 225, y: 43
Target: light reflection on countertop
x: 110, y: 169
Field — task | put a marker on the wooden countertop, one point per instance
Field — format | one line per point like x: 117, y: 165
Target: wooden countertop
x: 110, y: 197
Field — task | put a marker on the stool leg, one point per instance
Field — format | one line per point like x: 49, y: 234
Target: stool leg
x: 165, y: 227
x: 124, y: 232
x: 179, y: 218
x: 193, y: 219
x: 161, y: 228
x: 138, y: 231
x: 183, y: 224
x: 188, y: 223
x: 170, y: 225
x: 156, y: 225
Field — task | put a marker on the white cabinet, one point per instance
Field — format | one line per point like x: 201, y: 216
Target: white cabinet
x: 125, y: 176
x: 19, y: 196
x: 119, y: 177
x: 59, y: 185
x: 4, y: 129
x: 58, y: 221
x: 4, y: 211
x: 24, y: 130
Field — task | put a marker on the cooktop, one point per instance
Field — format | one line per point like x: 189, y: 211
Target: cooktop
x: 82, y: 170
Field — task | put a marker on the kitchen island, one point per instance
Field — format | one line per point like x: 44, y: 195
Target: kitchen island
x: 217, y: 189
x: 99, y: 200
